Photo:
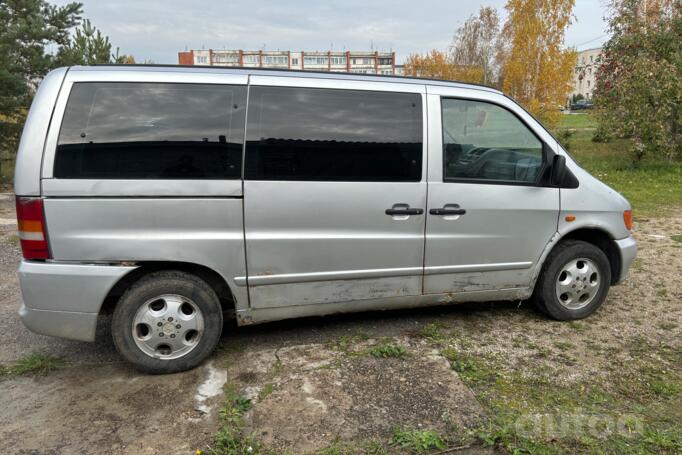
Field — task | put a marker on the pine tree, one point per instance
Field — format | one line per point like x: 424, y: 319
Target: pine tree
x: 87, y: 47
x: 27, y: 28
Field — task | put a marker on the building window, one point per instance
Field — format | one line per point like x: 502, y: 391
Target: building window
x: 333, y: 135
x: 294, y: 61
x: 128, y: 130
x: 315, y: 60
x: 202, y: 60
x: 276, y: 60
x: 225, y: 58
x: 338, y: 60
x: 251, y: 58
x: 385, y: 61
x: 363, y: 61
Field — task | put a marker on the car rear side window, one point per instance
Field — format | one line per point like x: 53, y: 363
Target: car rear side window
x: 333, y: 135
x: 152, y: 131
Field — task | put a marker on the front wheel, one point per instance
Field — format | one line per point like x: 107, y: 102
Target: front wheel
x: 574, y: 282
x: 167, y: 322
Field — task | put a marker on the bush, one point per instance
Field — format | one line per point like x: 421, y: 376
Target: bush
x: 564, y: 138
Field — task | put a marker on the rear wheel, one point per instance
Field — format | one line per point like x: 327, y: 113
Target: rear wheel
x: 574, y: 282
x: 167, y: 322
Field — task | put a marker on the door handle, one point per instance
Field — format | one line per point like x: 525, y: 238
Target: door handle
x: 403, y: 209
x: 447, y: 211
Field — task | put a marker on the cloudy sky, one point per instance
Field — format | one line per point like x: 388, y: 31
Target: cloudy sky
x: 158, y: 29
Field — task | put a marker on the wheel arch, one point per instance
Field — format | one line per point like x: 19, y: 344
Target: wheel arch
x: 213, y: 278
x: 602, y: 240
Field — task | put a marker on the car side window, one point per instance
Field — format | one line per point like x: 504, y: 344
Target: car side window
x: 484, y: 142
x: 313, y: 134
x: 127, y: 130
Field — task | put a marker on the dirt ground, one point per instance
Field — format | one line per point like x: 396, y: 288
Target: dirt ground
x: 313, y: 382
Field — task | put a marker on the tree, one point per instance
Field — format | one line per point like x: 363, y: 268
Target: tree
x: 123, y: 59
x: 28, y: 27
x: 87, y: 47
x: 537, y: 71
x: 439, y: 65
x: 475, y: 44
x: 639, y: 78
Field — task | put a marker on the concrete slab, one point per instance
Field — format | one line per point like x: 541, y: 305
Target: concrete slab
x: 319, y: 395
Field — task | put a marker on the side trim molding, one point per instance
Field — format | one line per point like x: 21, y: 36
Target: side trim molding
x: 443, y: 269
x: 261, y: 280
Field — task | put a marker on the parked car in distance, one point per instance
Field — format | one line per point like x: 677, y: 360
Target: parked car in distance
x: 581, y: 105
x: 173, y: 196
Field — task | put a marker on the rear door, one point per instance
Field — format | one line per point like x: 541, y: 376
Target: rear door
x: 334, y: 190
x: 145, y: 165
x: 491, y: 213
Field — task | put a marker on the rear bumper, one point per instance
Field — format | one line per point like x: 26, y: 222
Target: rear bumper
x: 628, y: 251
x: 62, y: 324
x: 64, y: 299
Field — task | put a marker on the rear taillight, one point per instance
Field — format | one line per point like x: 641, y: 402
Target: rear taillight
x: 627, y: 219
x: 32, y: 231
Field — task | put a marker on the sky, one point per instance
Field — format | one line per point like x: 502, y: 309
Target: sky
x: 157, y: 29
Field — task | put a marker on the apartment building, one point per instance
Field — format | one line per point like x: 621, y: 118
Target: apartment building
x: 584, y: 76
x: 347, y: 61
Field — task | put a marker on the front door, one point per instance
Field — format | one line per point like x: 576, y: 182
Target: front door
x: 490, y: 213
x: 334, y: 192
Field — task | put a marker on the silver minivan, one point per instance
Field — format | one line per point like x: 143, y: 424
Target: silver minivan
x: 172, y: 196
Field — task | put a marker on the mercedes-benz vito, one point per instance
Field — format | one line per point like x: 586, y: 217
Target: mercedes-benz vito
x: 170, y: 196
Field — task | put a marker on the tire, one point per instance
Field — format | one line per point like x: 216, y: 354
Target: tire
x: 574, y: 281
x: 167, y: 322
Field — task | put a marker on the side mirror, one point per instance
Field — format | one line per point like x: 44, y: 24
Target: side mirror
x: 558, y: 171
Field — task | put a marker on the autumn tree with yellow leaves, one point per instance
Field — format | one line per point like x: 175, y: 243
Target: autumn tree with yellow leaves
x: 525, y: 58
x: 475, y: 44
x: 440, y: 65
x: 537, y: 69
x: 471, y: 57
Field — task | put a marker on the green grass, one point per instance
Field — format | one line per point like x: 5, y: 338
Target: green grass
x: 564, y: 345
x: 32, y: 364
x: 434, y: 332
x: 266, y: 391
x: 582, y: 120
x: 652, y: 187
x: 352, y: 346
x: 529, y: 410
x: 577, y: 326
x: 347, y: 343
x: 6, y: 170
x: 419, y: 441
x: 664, y: 388
x: 337, y: 448
x: 676, y: 238
x: 387, y: 350
x: 230, y: 440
